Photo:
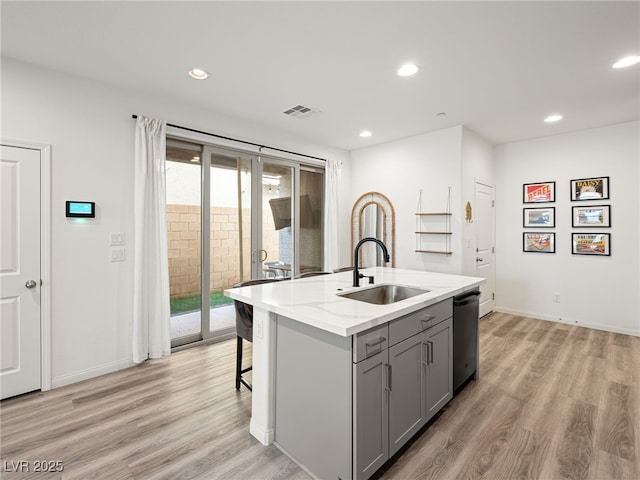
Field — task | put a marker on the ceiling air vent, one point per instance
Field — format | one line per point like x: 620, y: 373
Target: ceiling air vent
x: 300, y: 111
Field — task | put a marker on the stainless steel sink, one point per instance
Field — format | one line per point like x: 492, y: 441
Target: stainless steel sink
x: 383, y: 294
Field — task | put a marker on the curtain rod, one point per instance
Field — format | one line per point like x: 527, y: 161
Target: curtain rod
x: 134, y: 116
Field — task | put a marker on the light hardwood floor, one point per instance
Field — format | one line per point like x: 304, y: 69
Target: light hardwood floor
x: 554, y: 402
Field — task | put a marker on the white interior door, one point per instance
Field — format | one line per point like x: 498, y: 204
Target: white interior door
x: 20, y: 328
x: 484, y: 228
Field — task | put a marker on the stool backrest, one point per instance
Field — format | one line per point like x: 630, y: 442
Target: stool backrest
x: 311, y: 274
x: 343, y: 269
x: 244, y: 311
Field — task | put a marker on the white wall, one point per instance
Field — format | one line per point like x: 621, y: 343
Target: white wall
x: 477, y: 166
x: 432, y: 162
x: 90, y: 128
x: 597, y: 292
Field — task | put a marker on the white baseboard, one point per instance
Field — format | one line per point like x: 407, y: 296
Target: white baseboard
x: 264, y: 435
x: 570, y: 321
x: 75, y: 377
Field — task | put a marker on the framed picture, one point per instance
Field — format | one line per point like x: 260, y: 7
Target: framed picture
x: 590, y: 189
x: 539, y: 242
x: 591, y: 244
x: 591, y: 216
x: 539, y: 192
x: 539, y: 217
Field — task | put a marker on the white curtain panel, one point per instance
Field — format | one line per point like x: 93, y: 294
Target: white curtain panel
x: 331, y: 229
x: 151, y: 310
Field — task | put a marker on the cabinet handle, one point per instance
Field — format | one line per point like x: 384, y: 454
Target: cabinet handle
x: 424, y: 356
x: 427, y: 318
x: 387, y: 387
x: 430, y: 350
x: 377, y: 342
x: 428, y: 353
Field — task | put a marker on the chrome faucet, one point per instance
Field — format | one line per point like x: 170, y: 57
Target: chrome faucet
x: 356, y: 274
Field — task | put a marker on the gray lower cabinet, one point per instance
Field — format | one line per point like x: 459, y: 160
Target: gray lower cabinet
x: 406, y: 391
x: 371, y: 414
x: 345, y: 405
x: 438, y: 366
x: 414, y: 385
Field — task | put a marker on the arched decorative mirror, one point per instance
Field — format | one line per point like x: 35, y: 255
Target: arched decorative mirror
x: 373, y: 216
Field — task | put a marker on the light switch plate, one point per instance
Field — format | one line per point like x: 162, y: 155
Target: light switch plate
x: 117, y: 238
x: 117, y: 254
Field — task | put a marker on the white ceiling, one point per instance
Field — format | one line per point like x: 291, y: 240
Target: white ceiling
x: 497, y: 67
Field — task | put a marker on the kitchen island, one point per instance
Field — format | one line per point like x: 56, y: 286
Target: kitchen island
x: 330, y: 374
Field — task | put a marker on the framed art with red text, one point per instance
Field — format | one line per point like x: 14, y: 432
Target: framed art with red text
x: 541, y: 192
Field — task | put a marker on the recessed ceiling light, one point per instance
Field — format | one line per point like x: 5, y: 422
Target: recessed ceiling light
x: 408, y: 69
x: 198, y: 73
x: 627, y: 61
x: 553, y: 118
x: 365, y: 133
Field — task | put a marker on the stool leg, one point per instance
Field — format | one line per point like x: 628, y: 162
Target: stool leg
x: 238, y: 363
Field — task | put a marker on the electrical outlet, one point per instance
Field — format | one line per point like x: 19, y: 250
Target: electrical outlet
x: 257, y: 328
x: 556, y: 297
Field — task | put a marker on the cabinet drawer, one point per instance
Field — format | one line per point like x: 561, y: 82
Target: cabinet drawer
x: 404, y: 327
x: 369, y: 343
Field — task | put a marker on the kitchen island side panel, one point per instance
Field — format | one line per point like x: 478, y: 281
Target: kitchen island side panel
x: 313, y: 398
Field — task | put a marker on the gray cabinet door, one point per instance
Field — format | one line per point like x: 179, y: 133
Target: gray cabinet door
x: 438, y: 366
x: 370, y: 415
x: 407, y: 391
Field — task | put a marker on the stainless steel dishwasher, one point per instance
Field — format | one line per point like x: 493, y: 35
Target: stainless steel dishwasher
x: 465, y: 336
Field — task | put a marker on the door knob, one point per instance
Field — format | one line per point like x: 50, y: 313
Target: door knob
x: 478, y: 259
x: 30, y: 284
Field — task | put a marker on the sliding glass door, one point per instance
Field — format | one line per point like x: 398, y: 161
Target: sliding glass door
x: 261, y: 218
x: 184, y: 223
x: 292, y: 220
x: 228, y: 242
x: 277, y: 240
x: 311, y: 231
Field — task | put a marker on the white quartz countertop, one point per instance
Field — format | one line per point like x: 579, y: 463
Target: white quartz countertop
x: 314, y: 300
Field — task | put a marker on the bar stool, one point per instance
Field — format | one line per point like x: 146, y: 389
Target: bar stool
x: 244, y: 329
x: 343, y: 269
x: 311, y: 274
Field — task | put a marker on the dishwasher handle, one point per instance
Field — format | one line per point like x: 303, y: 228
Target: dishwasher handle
x: 466, y: 298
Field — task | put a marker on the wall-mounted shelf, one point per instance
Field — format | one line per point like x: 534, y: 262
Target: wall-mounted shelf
x: 446, y: 227
x: 433, y: 213
x: 440, y: 252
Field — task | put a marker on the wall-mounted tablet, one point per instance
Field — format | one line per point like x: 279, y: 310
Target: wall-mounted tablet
x: 81, y: 209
